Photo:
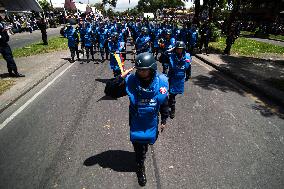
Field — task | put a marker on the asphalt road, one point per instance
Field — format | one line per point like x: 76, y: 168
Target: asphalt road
x: 71, y: 136
x: 21, y: 39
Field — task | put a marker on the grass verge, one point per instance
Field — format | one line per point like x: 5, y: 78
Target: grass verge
x: 277, y: 37
x: 54, y: 44
x: 247, y: 47
x: 5, y: 85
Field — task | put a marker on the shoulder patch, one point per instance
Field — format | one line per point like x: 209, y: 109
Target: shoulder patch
x: 163, y: 90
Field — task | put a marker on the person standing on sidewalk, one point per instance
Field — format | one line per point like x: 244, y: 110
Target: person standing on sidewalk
x: 179, y: 71
x: 232, y: 35
x: 6, y: 52
x: 205, y: 33
x: 148, y: 95
x: 43, y: 26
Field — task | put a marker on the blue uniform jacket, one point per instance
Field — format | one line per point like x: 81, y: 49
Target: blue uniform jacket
x: 177, y: 72
x: 144, y: 107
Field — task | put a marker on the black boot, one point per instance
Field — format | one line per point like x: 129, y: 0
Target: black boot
x: 141, y: 175
x: 172, y: 112
x: 15, y: 74
x: 11, y: 74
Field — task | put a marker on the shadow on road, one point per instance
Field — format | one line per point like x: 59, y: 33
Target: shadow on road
x: 213, y: 82
x: 68, y: 59
x: 267, y: 112
x: 103, y: 80
x: 106, y: 98
x: 4, y: 75
x: 117, y: 160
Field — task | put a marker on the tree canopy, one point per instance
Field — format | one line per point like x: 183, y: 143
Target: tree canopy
x: 154, y: 5
x: 45, y: 5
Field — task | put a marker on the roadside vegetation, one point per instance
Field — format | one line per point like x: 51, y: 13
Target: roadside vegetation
x: 246, y: 47
x: 54, y: 44
x: 5, y: 85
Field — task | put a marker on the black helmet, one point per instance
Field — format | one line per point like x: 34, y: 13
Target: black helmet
x: 145, y: 61
x: 144, y: 29
x: 180, y: 45
x: 115, y: 34
x: 169, y: 32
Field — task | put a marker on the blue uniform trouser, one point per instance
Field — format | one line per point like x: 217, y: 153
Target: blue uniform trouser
x: 74, y: 50
x: 172, y: 101
x: 102, y: 51
x: 140, y: 152
x: 8, y: 56
x: 164, y: 59
x: 88, y: 50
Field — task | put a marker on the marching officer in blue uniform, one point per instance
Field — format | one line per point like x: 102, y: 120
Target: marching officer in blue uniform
x: 148, y: 94
x: 193, y: 36
x: 157, y: 32
x: 115, y: 47
x: 6, y: 52
x: 165, y: 45
x: 88, y: 42
x: 82, y: 31
x: 102, y: 36
x: 143, y: 43
x: 73, y: 40
x: 179, y: 71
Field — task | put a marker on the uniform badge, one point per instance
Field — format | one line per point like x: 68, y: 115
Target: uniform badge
x: 163, y: 90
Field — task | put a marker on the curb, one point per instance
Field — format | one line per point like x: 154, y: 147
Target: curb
x: 31, y: 87
x: 252, y: 86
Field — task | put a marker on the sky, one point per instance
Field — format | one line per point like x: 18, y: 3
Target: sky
x: 121, y: 4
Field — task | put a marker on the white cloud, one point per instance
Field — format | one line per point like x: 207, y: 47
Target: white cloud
x: 121, y: 4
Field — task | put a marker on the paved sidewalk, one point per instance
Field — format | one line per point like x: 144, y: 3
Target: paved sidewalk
x: 36, y: 68
x: 270, y: 41
x: 260, y: 75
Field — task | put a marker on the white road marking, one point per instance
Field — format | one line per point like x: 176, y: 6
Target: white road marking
x: 32, y: 99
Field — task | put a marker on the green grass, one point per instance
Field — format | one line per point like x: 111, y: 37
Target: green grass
x: 5, y: 85
x: 54, y: 44
x: 277, y: 37
x: 247, y: 47
x: 247, y: 33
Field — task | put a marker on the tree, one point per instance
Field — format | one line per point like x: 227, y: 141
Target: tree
x: 110, y: 2
x: 211, y: 4
x: 154, y: 5
x: 45, y: 5
x: 230, y: 30
x: 197, y: 11
x: 100, y: 7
